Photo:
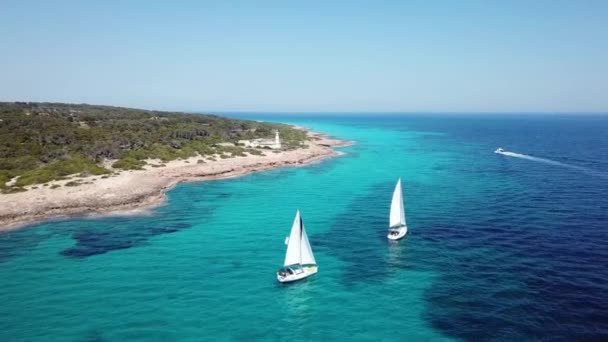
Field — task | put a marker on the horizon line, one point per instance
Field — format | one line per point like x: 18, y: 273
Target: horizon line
x: 259, y: 111
x: 398, y: 112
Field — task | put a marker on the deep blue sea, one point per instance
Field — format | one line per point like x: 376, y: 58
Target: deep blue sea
x: 499, y: 248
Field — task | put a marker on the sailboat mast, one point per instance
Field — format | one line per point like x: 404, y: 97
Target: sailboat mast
x: 301, y: 230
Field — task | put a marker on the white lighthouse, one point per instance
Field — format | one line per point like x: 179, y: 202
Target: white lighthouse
x: 277, y: 141
x: 274, y: 144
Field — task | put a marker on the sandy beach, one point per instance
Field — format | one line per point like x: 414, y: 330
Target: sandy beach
x: 128, y: 192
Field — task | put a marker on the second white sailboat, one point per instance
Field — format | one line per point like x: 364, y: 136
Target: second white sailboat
x: 397, y: 226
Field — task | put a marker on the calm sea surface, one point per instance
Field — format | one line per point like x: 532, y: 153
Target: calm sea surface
x: 499, y: 248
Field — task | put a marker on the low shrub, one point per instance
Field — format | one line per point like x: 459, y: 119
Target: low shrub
x: 59, y: 170
x: 128, y: 163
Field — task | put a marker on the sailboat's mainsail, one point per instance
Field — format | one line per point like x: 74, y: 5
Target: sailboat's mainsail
x: 397, y: 216
x: 298, y: 247
x: 293, y: 245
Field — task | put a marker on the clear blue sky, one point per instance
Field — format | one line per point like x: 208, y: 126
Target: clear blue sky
x: 455, y: 56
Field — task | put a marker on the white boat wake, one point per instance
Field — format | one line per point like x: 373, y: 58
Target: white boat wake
x: 552, y: 162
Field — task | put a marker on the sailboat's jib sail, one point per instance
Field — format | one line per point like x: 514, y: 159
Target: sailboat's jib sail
x: 397, y: 215
x: 293, y: 246
x: 307, y: 256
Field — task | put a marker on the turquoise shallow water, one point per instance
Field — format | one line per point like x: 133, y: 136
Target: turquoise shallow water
x: 499, y: 248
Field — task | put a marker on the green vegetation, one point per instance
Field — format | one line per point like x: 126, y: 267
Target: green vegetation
x: 60, y: 169
x: 40, y: 142
x: 291, y: 138
x: 256, y: 152
x: 233, y: 150
x: 5, y: 176
x: 129, y: 163
x: 14, y: 189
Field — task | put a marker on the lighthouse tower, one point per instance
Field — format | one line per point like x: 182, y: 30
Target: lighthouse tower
x: 277, y: 141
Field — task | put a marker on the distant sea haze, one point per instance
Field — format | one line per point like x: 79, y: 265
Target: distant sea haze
x: 499, y: 247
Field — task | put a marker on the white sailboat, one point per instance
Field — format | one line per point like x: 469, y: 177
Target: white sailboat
x: 397, y: 226
x: 299, y: 260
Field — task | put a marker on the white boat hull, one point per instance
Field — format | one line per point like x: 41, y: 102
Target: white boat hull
x: 400, y: 233
x: 302, y: 273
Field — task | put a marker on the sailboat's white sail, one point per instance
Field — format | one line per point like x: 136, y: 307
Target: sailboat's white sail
x: 298, y: 247
x: 307, y: 257
x: 294, y: 244
x: 397, y: 216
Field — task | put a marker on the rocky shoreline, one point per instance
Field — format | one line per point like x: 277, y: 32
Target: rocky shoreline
x: 131, y: 192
